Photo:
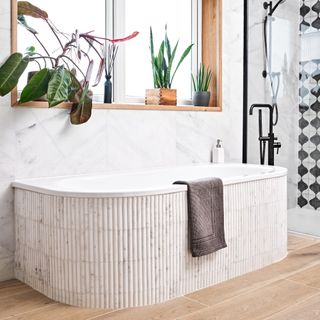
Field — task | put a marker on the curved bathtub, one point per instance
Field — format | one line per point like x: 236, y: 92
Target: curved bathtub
x: 121, y: 239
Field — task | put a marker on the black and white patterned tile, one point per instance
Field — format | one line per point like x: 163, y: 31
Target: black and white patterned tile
x: 309, y: 136
x: 310, y: 16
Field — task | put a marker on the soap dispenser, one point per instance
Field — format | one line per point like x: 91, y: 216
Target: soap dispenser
x: 218, y: 153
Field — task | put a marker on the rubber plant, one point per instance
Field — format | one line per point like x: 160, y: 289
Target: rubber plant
x: 162, y: 62
x: 59, y: 77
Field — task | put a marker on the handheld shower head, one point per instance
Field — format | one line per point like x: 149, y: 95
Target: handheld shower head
x: 272, y: 8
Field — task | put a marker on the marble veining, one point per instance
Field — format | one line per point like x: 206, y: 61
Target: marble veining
x: 287, y: 129
x: 41, y: 142
x: 128, y: 251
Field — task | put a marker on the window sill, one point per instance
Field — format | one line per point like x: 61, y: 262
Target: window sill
x: 116, y: 106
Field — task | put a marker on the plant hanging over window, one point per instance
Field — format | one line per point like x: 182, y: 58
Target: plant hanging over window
x: 58, y: 75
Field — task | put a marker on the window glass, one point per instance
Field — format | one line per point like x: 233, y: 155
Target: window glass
x: 140, y: 15
x: 66, y: 16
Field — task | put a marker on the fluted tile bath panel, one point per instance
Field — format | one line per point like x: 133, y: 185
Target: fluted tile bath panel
x: 134, y: 251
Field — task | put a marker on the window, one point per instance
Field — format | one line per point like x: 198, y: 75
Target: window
x: 66, y: 21
x: 189, y: 21
x: 132, y: 74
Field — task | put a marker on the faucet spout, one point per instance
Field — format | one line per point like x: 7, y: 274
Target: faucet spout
x: 263, y: 105
x: 270, y: 139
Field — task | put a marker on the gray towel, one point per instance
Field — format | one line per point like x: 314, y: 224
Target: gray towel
x: 206, y: 216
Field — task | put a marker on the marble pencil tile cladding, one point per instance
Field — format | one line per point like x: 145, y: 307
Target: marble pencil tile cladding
x: 38, y: 143
x: 133, y: 251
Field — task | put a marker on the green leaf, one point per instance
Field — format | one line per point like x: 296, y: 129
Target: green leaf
x: 81, y: 112
x: 30, y: 51
x: 167, y: 43
x: 22, y: 21
x: 152, y: 56
x: 75, y: 89
x: 59, y: 86
x: 208, y: 79
x: 203, y: 79
x: 160, y: 64
x: 184, y: 55
x: 28, y: 9
x: 173, y: 54
x: 37, y: 86
x: 163, y: 62
x: 194, y: 83
x: 11, y: 71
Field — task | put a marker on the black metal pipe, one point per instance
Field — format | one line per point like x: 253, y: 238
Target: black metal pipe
x: 262, y: 143
x: 245, y: 85
x: 271, y: 138
x: 268, y: 106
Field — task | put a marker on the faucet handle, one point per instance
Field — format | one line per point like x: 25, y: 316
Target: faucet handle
x: 277, y: 145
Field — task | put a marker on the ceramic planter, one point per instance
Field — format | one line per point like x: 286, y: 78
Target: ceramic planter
x: 108, y: 90
x: 161, y: 96
x: 201, y: 98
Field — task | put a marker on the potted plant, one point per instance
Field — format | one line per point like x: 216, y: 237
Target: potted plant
x: 201, y: 82
x: 111, y: 58
x: 162, y: 66
x: 59, y: 78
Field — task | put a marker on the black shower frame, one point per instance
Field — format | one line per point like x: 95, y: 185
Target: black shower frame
x: 245, y: 85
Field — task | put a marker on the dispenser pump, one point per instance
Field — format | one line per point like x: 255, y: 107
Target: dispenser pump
x: 218, y: 152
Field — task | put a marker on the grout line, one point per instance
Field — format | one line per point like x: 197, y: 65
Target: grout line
x: 291, y: 306
x: 196, y: 301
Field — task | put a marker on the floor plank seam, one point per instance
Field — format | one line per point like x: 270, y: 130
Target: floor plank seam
x: 292, y: 306
x: 306, y: 267
x: 29, y: 311
x: 196, y: 301
x: 303, y: 284
x: 258, y: 287
x: 104, y: 314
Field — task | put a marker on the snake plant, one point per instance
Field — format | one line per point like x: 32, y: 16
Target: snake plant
x: 162, y: 61
x: 202, y: 79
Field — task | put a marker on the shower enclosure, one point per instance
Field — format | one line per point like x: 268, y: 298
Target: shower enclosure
x: 294, y: 49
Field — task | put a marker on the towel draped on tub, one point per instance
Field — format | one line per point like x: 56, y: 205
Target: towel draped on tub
x: 206, y: 215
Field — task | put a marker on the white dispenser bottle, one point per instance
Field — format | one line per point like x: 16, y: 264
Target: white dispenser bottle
x: 218, y: 153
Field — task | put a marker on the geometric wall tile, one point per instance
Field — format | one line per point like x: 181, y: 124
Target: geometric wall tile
x: 303, y: 139
x: 309, y: 110
x: 315, y: 203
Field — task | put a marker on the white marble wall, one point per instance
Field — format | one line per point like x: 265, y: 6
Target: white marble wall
x: 36, y: 142
x: 259, y: 90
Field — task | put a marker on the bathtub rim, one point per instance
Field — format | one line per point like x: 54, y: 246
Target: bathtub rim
x: 26, y: 184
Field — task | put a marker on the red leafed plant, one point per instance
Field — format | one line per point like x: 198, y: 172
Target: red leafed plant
x: 63, y: 80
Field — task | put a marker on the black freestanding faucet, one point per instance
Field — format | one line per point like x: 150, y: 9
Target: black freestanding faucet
x: 270, y: 139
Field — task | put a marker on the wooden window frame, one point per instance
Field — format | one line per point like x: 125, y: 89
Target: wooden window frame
x: 211, y: 57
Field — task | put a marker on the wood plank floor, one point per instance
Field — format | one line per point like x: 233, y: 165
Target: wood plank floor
x: 288, y: 290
